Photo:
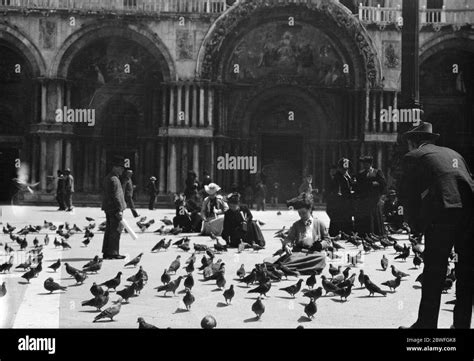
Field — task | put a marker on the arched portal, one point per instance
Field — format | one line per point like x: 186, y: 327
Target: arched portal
x: 118, y: 78
x: 288, y: 125
x: 17, y: 112
x: 447, y: 93
x: 331, y: 18
x: 280, y: 60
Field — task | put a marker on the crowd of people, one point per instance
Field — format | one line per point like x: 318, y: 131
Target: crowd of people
x: 436, y: 200
x: 354, y: 202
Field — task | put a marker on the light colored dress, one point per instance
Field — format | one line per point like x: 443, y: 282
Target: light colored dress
x: 212, y: 222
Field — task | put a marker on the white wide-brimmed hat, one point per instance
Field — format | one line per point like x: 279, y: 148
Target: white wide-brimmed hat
x: 212, y: 188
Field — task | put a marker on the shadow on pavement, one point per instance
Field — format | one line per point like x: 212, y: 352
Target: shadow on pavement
x: 304, y: 319
x: 253, y: 319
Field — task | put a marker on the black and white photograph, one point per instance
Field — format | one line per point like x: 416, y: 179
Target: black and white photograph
x: 237, y: 164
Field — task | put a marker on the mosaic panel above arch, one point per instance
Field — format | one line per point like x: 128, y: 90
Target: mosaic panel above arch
x: 278, y: 50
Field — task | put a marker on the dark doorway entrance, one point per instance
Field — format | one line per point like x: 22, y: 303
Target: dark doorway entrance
x: 282, y: 160
x: 8, y: 172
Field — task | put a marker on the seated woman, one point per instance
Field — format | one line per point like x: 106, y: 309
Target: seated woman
x: 239, y: 224
x: 212, y: 210
x: 187, y: 214
x: 306, y: 241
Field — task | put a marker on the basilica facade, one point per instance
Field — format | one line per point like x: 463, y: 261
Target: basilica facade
x: 172, y: 85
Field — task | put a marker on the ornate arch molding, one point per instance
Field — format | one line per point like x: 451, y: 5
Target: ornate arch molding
x: 255, y: 97
x: 326, y: 13
x: 98, y: 30
x: 459, y: 40
x: 25, y: 46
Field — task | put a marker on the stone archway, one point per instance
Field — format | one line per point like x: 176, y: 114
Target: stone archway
x: 25, y: 47
x: 342, y: 27
x: 447, y: 91
x: 100, y: 30
x: 20, y: 64
x: 111, y: 67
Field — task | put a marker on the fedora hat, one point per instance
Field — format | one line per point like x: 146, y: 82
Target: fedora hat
x: 424, y: 130
x: 212, y: 188
x: 118, y: 161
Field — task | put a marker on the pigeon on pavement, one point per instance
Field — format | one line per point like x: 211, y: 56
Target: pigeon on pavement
x: 229, y: 294
x: 52, y: 286
x: 134, y: 261
x: 110, y: 312
x: 258, y: 307
x: 310, y: 309
x: 293, y: 289
x: 113, y: 283
x: 142, y: 324
x: 372, y: 287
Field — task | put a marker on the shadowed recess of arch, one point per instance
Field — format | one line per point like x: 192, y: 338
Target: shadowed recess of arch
x: 270, y: 100
x: 16, y: 90
x: 23, y: 46
x: 120, y: 128
x: 109, y: 67
x: 89, y: 34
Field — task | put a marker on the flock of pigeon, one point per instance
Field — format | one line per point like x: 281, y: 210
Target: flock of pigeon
x: 260, y: 279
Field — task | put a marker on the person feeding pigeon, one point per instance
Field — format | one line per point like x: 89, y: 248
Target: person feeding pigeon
x: 306, y: 241
x: 212, y: 210
x: 239, y: 224
x: 113, y: 204
x: 437, y: 194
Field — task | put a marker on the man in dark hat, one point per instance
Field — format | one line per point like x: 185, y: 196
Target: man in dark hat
x: 128, y: 187
x: 113, y: 204
x: 68, y: 189
x: 437, y: 193
x: 370, y: 185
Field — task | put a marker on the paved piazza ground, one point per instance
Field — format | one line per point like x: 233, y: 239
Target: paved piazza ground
x: 30, y: 306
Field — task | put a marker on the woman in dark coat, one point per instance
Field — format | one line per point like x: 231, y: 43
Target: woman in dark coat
x: 340, y: 196
x: 239, y: 224
x: 304, y: 247
x: 370, y: 186
x: 187, y: 214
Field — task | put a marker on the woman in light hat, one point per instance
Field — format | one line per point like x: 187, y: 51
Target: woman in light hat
x: 212, y: 211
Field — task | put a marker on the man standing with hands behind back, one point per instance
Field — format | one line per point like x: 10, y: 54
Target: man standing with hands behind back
x: 68, y: 189
x: 437, y: 193
x: 113, y: 204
